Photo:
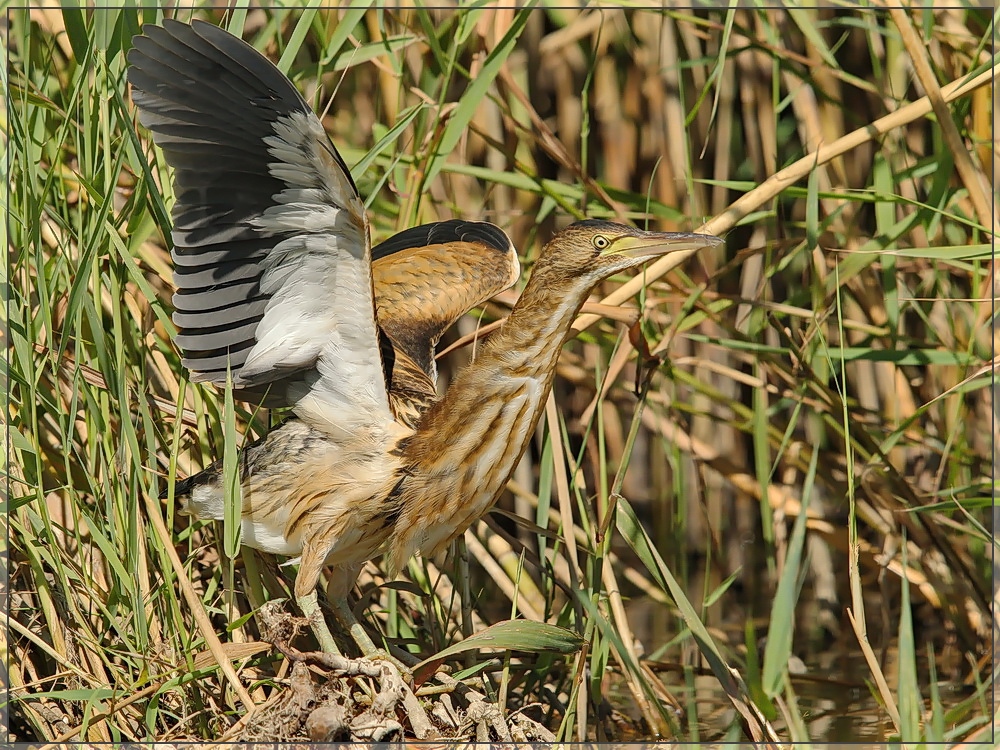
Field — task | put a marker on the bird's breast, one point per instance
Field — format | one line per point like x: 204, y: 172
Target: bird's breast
x: 464, y: 468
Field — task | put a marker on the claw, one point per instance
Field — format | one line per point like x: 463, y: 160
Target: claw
x: 381, y: 655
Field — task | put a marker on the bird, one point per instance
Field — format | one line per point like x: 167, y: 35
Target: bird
x: 278, y: 288
x: 423, y: 278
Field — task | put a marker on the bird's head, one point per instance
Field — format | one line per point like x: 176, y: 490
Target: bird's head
x: 591, y: 250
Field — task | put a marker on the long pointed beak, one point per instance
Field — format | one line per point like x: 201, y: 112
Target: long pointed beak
x: 652, y: 244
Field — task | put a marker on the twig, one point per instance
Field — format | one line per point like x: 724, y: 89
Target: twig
x: 235, y: 651
x: 782, y: 179
x: 974, y: 179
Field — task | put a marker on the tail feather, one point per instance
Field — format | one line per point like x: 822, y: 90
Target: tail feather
x: 184, y: 487
x: 212, y: 474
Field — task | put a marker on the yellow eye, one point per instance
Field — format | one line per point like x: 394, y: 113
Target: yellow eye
x: 601, y: 242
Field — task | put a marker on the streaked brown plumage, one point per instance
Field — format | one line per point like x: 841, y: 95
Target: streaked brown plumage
x: 468, y: 443
x: 276, y: 279
x: 428, y: 282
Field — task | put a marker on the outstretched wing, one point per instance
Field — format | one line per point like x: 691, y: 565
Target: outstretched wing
x: 271, y: 249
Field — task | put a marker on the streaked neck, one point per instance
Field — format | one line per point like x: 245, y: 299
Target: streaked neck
x: 531, y: 338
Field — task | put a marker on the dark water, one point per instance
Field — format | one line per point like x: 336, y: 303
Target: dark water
x: 832, y: 681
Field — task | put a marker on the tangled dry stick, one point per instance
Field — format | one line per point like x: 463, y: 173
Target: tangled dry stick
x: 330, y: 698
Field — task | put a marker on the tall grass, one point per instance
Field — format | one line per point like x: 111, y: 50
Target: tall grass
x: 782, y: 520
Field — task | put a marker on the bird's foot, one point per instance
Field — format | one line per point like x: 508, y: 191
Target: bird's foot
x: 381, y: 655
x: 378, y: 722
x: 338, y: 664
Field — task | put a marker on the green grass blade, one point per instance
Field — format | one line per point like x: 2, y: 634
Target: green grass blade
x: 781, y: 629
x: 460, y: 117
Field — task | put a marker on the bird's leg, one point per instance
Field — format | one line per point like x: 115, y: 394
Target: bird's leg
x: 342, y: 611
x: 306, y: 581
x: 309, y: 605
x: 345, y: 616
x: 310, y: 608
x: 337, y: 590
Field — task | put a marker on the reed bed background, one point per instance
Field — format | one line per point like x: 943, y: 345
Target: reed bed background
x: 781, y: 528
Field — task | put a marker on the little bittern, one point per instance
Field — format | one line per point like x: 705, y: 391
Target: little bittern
x: 276, y: 281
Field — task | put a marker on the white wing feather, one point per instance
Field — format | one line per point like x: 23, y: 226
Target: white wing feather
x: 272, y: 245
